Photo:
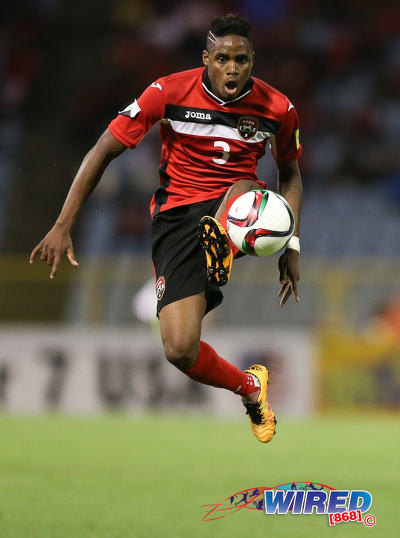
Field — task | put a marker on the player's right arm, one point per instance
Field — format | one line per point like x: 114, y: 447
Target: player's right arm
x: 126, y: 130
x: 58, y: 240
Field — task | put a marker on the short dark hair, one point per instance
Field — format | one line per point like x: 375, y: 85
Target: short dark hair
x: 230, y: 24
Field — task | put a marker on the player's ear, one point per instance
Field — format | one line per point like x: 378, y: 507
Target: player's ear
x: 206, y: 58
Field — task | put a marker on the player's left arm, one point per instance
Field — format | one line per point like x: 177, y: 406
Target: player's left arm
x: 289, y: 185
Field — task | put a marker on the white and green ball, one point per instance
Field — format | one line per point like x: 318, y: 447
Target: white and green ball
x: 260, y: 222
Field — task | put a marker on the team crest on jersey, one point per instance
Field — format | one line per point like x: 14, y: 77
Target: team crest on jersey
x: 247, y: 127
x: 160, y: 288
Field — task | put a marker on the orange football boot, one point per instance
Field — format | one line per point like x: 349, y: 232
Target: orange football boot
x: 215, y: 242
x: 261, y: 416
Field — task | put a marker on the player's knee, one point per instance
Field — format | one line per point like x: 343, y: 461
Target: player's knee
x: 181, y: 352
x: 242, y: 186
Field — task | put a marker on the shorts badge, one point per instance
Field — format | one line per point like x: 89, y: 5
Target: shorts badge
x: 160, y: 288
x: 247, y: 127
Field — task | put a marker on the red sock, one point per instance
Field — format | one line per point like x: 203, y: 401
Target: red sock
x: 211, y: 369
x: 223, y: 220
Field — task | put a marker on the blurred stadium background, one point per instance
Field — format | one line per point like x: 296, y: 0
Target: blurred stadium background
x: 86, y: 343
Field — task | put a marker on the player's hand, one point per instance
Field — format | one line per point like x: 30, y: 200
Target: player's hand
x: 289, y: 275
x: 53, y: 247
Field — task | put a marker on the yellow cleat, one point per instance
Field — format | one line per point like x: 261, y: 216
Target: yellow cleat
x: 215, y: 242
x: 261, y: 416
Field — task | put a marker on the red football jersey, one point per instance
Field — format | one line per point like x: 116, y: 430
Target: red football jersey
x: 208, y: 144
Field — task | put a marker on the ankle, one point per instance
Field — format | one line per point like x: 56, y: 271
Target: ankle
x: 252, y: 397
x: 251, y: 389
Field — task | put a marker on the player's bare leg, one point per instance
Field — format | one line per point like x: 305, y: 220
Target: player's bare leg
x: 180, y: 324
x: 214, y: 239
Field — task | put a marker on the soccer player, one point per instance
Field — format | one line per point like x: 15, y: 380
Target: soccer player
x: 215, y: 123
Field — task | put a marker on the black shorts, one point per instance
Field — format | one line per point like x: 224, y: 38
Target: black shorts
x: 178, y: 259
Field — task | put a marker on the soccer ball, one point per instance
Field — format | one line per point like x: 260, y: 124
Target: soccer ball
x: 260, y: 222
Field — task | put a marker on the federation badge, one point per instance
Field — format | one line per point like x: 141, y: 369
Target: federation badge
x: 247, y: 127
x: 160, y: 288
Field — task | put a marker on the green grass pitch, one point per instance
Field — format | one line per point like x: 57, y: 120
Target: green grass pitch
x: 123, y: 477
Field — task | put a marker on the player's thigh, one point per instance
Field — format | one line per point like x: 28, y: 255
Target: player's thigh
x: 180, y: 324
x: 240, y: 187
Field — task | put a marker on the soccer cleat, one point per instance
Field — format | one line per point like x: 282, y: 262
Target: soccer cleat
x: 215, y: 242
x: 261, y: 416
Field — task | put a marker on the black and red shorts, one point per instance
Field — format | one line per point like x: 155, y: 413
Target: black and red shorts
x: 178, y: 259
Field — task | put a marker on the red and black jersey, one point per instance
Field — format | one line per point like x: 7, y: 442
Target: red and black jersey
x: 208, y: 144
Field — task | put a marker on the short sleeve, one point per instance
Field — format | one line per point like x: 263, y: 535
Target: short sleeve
x: 288, y: 146
x: 132, y: 123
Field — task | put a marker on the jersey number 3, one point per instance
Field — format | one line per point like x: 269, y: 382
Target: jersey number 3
x: 225, y: 151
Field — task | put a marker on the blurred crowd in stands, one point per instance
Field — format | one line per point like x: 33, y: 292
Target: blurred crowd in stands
x: 66, y: 70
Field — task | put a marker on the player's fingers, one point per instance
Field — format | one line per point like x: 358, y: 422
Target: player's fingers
x: 286, y: 293
x: 294, y: 290
x: 43, y: 255
x: 50, y: 256
x: 34, y: 252
x: 284, y: 299
x: 71, y: 257
x: 283, y: 283
x: 55, y: 266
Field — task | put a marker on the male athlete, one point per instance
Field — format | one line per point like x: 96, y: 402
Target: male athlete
x: 215, y: 122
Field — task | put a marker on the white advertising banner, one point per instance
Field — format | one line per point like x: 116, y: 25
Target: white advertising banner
x: 93, y: 370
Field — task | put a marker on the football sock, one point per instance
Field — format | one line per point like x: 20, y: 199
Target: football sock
x: 223, y: 221
x: 211, y: 369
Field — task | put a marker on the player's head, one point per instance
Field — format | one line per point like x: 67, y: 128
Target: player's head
x: 229, y: 55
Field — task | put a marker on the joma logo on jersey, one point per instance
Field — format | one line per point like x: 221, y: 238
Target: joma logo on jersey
x: 247, y: 127
x: 197, y: 115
